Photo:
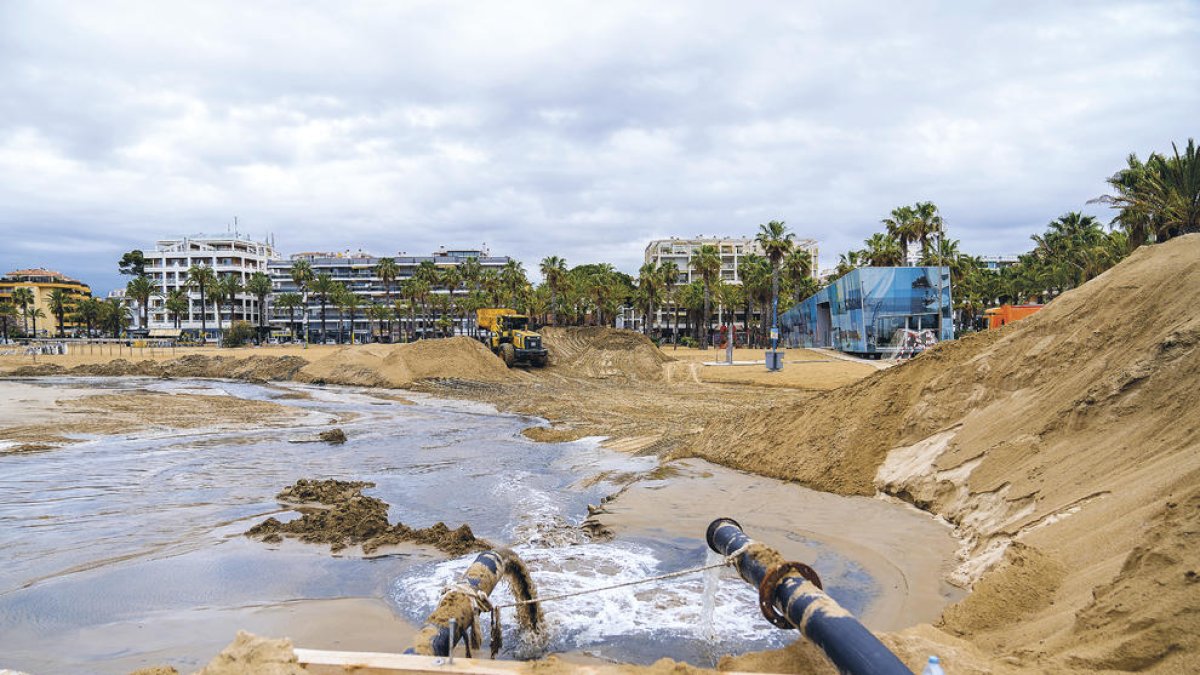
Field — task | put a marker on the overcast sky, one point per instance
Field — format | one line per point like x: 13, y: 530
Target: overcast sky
x: 574, y: 129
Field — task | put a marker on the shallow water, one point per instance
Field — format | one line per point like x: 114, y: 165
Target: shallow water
x: 122, y: 531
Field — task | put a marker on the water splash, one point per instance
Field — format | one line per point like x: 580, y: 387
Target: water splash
x: 708, y: 604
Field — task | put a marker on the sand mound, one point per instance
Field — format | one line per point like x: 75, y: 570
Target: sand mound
x: 252, y: 655
x: 458, y: 358
x: 604, y: 353
x: 252, y: 368
x: 337, y: 513
x: 1066, y: 432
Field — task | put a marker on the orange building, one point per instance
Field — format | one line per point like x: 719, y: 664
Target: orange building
x: 43, y: 282
x: 1006, y: 314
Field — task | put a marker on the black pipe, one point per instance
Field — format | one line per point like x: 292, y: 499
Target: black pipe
x: 847, y: 643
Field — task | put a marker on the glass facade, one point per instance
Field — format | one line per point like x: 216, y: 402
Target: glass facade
x: 873, y: 311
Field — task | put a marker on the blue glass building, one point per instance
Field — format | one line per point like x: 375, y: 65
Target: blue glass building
x: 870, y: 310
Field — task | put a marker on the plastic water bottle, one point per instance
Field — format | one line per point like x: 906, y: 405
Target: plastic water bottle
x: 934, y: 667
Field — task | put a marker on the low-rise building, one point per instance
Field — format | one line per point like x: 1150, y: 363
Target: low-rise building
x: 43, y: 282
x: 874, y: 311
x: 231, y: 253
x: 357, y: 271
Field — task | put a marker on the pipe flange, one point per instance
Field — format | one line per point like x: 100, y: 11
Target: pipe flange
x: 766, y: 590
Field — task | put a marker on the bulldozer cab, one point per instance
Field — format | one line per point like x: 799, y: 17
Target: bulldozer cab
x: 514, y: 322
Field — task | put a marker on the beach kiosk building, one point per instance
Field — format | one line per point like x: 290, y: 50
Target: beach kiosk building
x: 874, y: 312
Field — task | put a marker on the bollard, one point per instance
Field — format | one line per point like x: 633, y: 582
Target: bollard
x: 792, y: 599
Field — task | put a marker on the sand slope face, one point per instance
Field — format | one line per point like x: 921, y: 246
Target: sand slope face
x: 378, y: 365
x: 604, y: 353
x: 1066, y: 448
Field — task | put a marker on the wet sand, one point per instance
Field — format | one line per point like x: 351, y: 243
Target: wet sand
x: 904, y: 550
x: 349, y: 624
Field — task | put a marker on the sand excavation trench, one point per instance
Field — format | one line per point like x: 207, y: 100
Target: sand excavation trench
x: 146, y: 530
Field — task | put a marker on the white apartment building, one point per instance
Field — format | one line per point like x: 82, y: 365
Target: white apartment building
x: 226, y: 254
x: 732, y: 249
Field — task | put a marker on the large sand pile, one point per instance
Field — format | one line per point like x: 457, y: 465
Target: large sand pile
x: 604, y: 353
x: 252, y: 368
x: 1065, y: 448
x: 458, y: 358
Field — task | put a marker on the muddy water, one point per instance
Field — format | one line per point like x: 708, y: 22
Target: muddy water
x: 126, y: 551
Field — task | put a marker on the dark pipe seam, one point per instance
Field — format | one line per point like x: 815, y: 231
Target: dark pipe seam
x: 847, y: 643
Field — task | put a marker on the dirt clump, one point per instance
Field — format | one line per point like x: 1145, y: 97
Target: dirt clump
x: 1061, y: 433
x: 604, y: 353
x: 252, y: 655
x: 337, y: 513
x: 334, y: 436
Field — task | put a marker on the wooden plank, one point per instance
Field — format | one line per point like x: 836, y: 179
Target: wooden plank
x: 322, y: 662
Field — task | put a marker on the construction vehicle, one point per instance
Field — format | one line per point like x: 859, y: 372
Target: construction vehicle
x: 510, y: 338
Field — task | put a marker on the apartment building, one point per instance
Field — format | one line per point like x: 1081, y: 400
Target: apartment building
x: 226, y: 254
x: 43, y: 283
x: 732, y: 249
x: 356, y: 270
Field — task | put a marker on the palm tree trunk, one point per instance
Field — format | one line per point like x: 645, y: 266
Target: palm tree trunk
x: 704, y: 319
x: 322, y: 320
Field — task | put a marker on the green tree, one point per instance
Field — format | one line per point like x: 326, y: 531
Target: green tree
x: 259, y: 285
x: 798, y: 271
x: 8, y: 318
x: 706, y: 263
x: 203, y: 279
x: 776, y: 242
x: 668, y: 273
x: 140, y: 290
x: 88, y: 311
x: 927, y: 221
x: 649, y: 284
x: 883, y: 251
x: 35, y: 314
x: 1159, y: 199
x: 133, y: 264
x: 225, y: 291
x: 290, y: 302
x: 23, y: 297
x: 177, y: 304
x: 554, y: 271
x: 902, y: 226
x: 323, y: 286
x: 60, y: 304
x: 451, y: 279
x: 114, y: 316
x: 302, y: 275
x: 387, y: 270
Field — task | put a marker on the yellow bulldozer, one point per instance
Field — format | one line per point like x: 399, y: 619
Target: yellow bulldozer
x: 510, y: 338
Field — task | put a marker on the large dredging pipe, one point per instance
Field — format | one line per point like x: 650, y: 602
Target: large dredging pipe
x: 789, y: 598
x: 456, y: 616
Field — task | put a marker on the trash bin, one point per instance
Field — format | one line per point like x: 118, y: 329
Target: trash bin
x: 774, y: 359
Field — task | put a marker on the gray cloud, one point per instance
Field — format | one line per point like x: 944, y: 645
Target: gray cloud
x: 574, y: 129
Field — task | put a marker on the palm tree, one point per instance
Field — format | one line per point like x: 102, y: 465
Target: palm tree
x: 668, y: 273
x: 35, y: 314
x: 60, y: 304
x: 1161, y: 198
x: 23, y: 297
x: 707, y: 263
x: 228, y: 288
x: 882, y: 250
x: 850, y: 260
x: 513, y: 281
x: 471, y: 271
x: 140, y: 289
x: 177, y: 304
x: 451, y: 279
x: 323, y: 286
x: 387, y: 271
x: 259, y: 285
x: 8, y: 318
x: 776, y: 242
x: 378, y: 314
x: 89, y: 311
x: 114, y: 315
x: 650, y: 287
x: 350, y: 301
x: 553, y: 269
x: 756, y: 273
x: 202, y: 278
x: 902, y: 226
x: 927, y: 221
x: 302, y: 275
x: 290, y: 301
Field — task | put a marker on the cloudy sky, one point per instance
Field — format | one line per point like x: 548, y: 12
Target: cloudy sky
x: 576, y: 129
